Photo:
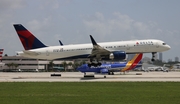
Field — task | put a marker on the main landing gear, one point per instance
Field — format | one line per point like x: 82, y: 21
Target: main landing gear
x: 94, y: 64
x: 110, y: 73
x: 153, y: 56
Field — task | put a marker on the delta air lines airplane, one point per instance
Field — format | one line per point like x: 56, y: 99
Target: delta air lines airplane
x: 34, y: 48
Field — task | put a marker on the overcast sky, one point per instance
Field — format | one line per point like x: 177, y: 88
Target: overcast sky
x: 72, y: 21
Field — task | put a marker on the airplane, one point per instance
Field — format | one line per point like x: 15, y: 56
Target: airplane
x: 34, y: 48
x: 148, y: 67
x: 109, y: 69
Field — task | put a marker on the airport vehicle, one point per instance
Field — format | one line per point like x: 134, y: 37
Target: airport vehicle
x: 135, y: 62
x: 34, y: 48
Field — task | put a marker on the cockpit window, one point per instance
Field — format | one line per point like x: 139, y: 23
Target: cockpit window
x: 164, y: 43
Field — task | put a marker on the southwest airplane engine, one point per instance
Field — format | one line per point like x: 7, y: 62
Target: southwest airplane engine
x: 104, y: 71
x: 117, y: 55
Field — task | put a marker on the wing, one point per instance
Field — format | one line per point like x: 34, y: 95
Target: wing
x: 97, y: 50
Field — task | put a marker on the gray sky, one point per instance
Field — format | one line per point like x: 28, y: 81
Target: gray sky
x: 72, y: 21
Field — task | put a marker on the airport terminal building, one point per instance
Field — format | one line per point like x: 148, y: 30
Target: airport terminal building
x: 18, y: 63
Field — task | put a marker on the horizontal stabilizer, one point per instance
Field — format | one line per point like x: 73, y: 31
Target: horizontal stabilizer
x: 31, y: 53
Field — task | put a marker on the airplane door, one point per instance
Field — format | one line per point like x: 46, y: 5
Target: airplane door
x: 157, y: 45
x: 127, y: 47
x: 47, y: 53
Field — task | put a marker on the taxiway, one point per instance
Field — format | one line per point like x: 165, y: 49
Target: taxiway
x: 79, y: 77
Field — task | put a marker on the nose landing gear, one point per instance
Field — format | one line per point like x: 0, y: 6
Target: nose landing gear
x: 153, y: 56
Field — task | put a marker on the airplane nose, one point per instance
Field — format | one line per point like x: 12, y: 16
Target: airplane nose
x: 167, y: 47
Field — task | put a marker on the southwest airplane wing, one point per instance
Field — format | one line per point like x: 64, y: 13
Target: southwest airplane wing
x: 110, y: 68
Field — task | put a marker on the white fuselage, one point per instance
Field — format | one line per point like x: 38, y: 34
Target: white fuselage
x: 83, y: 50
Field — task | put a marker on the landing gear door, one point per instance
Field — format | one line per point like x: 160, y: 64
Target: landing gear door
x: 47, y: 53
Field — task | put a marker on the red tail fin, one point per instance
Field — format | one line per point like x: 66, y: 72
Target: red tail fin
x: 28, y: 40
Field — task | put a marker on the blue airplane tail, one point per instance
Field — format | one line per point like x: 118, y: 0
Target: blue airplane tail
x: 28, y: 40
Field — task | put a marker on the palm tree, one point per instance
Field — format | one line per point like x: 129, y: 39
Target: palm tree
x: 16, y: 65
x: 8, y: 65
x: 70, y: 64
x: 12, y: 65
x: 51, y: 64
x: 75, y: 65
x: 82, y: 62
x: 64, y: 65
x: 5, y: 55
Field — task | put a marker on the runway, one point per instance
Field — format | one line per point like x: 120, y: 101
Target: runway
x: 79, y: 77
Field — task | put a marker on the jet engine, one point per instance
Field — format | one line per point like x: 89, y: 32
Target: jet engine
x: 104, y: 71
x: 117, y: 55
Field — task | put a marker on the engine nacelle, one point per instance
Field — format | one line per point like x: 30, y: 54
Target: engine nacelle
x: 117, y: 55
x: 104, y: 71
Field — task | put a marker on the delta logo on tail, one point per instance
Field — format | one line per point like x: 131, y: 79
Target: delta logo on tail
x: 115, y: 67
x: 28, y: 40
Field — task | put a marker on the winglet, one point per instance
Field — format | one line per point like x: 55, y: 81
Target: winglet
x: 60, y: 43
x: 93, y: 41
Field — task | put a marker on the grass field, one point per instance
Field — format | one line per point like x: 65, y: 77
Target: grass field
x: 89, y: 92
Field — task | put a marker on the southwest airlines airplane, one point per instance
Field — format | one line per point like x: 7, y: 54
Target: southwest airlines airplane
x: 135, y: 62
x: 34, y: 48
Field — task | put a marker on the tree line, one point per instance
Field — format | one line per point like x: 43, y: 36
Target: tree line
x: 64, y: 64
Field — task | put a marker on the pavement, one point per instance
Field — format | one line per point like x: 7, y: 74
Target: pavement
x: 79, y: 77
